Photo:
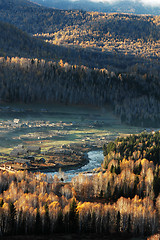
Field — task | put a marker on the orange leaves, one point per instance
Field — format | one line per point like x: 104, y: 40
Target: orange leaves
x: 5, y: 207
x: 54, y: 209
x: 61, y: 63
x: 149, y: 176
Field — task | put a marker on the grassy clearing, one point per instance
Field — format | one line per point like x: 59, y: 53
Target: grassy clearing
x: 83, y: 119
x: 6, y: 150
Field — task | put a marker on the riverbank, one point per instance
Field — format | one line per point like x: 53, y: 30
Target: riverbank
x: 63, y: 133
x: 52, y: 161
x: 92, y: 167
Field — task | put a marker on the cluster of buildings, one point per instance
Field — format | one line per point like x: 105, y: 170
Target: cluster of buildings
x: 24, y: 158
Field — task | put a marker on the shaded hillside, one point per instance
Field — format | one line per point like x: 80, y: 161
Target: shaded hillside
x: 134, y: 98
x: 33, y: 18
x: 97, y: 33
x: 120, y: 41
x: 93, y: 39
x: 14, y: 42
x: 123, y: 6
x: 113, y: 33
x: 124, y: 26
x: 126, y: 45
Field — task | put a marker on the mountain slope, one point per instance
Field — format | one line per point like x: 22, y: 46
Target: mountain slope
x: 92, y: 39
x: 36, y: 19
x: 14, y: 42
x: 122, y: 6
x: 33, y: 18
x: 127, y: 82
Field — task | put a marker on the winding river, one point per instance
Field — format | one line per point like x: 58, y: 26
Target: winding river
x: 55, y: 126
x: 95, y: 160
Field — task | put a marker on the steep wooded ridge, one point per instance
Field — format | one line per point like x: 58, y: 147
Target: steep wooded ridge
x: 33, y: 18
x: 125, y: 47
x: 121, y: 34
x: 110, y: 36
x: 15, y: 42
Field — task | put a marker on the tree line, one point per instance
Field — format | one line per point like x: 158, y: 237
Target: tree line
x: 33, y: 204
x: 134, y: 98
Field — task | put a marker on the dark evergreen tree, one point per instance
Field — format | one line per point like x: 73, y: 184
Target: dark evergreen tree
x: 12, y: 218
x: 59, y: 226
x: 107, y: 223
x: 137, y: 169
x: 21, y: 223
x: 38, y: 223
x: 46, y: 220
x: 129, y: 225
x: 118, y: 223
x: 104, y: 150
x: 93, y: 222
x: 156, y: 186
x: 1, y: 203
x: 73, y: 217
x: 108, y: 194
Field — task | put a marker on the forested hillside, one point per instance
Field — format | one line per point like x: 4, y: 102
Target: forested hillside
x: 33, y: 18
x: 120, y: 6
x: 97, y: 39
x: 121, y: 34
x: 125, y: 46
x: 14, y: 42
x: 135, y: 98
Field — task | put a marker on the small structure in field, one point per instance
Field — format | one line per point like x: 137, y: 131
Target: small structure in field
x: 40, y: 161
x: 22, y: 163
x: 34, y: 149
x: 21, y: 150
x: 16, y: 120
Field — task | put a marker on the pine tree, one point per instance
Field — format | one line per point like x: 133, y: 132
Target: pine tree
x: 129, y: 225
x: 1, y: 203
x: 73, y: 217
x: 108, y: 194
x: 46, y: 220
x: 59, y: 223
x: 38, y: 223
x: 118, y: 223
x: 12, y: 218
x: 156, y: 186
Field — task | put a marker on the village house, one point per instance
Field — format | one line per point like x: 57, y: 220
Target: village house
x: 22, y: 163
x: 34, y: 149
x: 40, y: 161
x: 21, y: 150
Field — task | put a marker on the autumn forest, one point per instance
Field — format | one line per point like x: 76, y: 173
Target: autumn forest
x: 123, y: 198
x: 75, y: 57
